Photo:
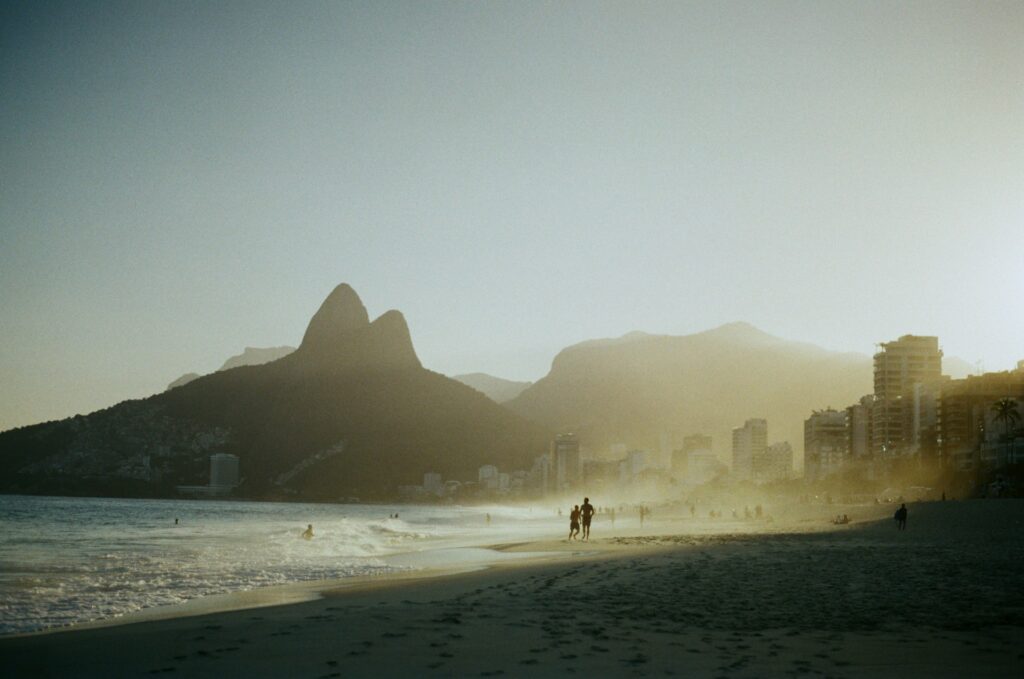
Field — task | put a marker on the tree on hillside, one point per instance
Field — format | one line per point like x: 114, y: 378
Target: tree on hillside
x: 1005, y: 410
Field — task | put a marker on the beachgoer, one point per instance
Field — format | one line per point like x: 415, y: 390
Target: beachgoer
x: 308, y: 533
x: 488, y: 519
x: 586, y: 513
x: 693, y: 510
x: 612, y: 511
x: 574, y: 522
x: 901, y: 517
x: 175, y: 522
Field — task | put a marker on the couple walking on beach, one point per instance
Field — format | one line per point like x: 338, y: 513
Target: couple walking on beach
x: 586, y: 512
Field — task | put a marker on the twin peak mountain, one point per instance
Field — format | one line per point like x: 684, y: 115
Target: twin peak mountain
x: 351, y: 412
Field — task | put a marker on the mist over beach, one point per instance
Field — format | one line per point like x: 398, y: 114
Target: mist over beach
x: 515, y: 338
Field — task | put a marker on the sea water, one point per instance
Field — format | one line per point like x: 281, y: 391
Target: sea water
x: 71, y: 560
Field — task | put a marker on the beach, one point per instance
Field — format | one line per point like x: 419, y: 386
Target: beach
x: 943, y: 598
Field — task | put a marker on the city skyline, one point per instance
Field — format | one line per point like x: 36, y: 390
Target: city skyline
x: 181, y: 183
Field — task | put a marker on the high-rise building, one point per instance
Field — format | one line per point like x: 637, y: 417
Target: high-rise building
x: 565, y: 454
x: 825, y: 439
x: 858, y: 429
x: 900, y: 412
x: 702, y: 466
x: 224, y: 470
x: 488, y: 477
x: 747, y: 441
x: 681, y: 456
x: 432, y: 483
x: 965, y: 413
x: 774, y: 463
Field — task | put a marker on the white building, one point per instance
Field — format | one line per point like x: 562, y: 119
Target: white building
x: 432, y: 483
x: 488, y: 477
x: 565, y: 450
x: 223, y: 470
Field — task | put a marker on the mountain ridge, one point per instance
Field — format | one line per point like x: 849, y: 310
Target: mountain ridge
x: 643, y: 389
x: 352, y: 384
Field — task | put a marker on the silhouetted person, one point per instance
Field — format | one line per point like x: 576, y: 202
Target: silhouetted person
x: 488, y: 519
x: 308, y: 533
x: 175, y: 522
x: 757, y: 511
x: 586, y: 513
x: 612, y: 512
x: 693, y: 511
x: 901, y: 517
x: 574, y: 522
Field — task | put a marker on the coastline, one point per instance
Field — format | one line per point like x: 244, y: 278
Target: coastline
x: 646, y: 602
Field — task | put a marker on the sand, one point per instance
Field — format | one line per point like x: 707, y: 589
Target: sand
x: 943, y: 599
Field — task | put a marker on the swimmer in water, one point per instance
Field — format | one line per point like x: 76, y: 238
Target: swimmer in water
x: 308, y: 533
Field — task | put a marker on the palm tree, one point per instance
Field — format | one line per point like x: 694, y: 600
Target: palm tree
x: 1005, y: 409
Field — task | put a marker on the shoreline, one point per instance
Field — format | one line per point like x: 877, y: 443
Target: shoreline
x: 809, y: 602
x: 422, y: 564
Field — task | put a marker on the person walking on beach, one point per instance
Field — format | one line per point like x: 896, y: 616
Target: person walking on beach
x: 308, y: 533
x: 574, y: 522
x: 586, y: 513
x: 901, y: 517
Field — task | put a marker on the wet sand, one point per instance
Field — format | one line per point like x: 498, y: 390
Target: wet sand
x: 943, y: 599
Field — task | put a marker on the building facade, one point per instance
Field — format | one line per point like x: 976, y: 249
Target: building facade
x: 966, y: 420
x: 565, y: 453
x: 825, y: 439
x: 748, y: 441
x: 223, y: 470
x: 774, y: 463
x: 907, y: 376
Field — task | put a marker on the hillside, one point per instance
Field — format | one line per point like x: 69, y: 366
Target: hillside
x: 644, y: 389
x: 352, y: 385
x: 495, y: 388
x: 250, y: 356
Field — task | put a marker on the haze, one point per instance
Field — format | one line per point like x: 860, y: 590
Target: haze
x: 179, y: 181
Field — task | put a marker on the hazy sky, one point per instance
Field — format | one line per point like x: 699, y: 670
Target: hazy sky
x: 179, y: 180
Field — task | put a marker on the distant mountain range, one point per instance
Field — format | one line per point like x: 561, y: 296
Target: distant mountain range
x: 350, y: 412
x: 250, y: 356
x: 651, y: 390
x: 353, y: 412
x: 494, y: 388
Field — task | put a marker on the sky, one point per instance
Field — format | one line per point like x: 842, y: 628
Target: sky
x: 179, y: 180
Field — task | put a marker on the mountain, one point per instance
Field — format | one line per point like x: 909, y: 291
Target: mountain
x: 494, y: 388
x: 350, y: 412
x: 256, y: 356
x: 250, y: 356
x: 644, y: 390
x: 183, y: 380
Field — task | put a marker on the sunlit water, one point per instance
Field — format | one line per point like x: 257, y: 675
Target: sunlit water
x: 68, y: 560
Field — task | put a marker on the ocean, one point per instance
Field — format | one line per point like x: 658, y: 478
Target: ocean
x: 71, y: 560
